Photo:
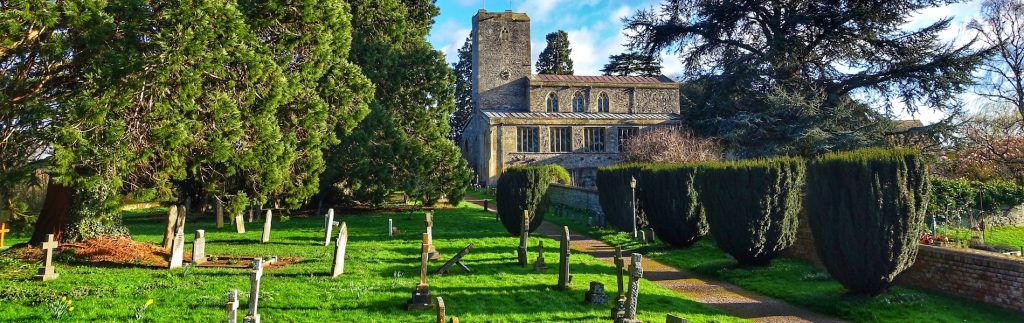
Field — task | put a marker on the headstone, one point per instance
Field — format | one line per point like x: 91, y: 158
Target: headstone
x: 239, y: 223
x: 266, y: 227
x: 220, y: 214
x: 440, y: 311
x: 455, y: 319
x: 636, y: 271
x: 457, y: 260
x: 232, y: 306
x: 486, y: 206
x: 199, y: 247
x: 254, y: 291
x: 596, y: 295
x: 3, y: 232
x: 391, y: 228
x: 47, y: 272
x: 669, y: 318
x: 328, y: 226
x: 421, y: 295
x: 177, y: 250
x: 643, y: 236
x: 431, y: 250
x: 620, y: 302
x: 339, y: 251
x: 172, y: 221
x: 564, y: 278
x: 540, y: 266
x: 650, y: 235
x: 252, y: 214
x: 524, y: 236
x: 182, y: 214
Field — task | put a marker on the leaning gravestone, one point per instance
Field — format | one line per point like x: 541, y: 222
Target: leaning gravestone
x: 199, y: 248
x: 457, y: 260
x: 266, y: 227
x: 177, y: 250
x: 564, y: 278
x: 254, y: 291
x: 328, y: 226
x: 596, y: 295
x: 182, y: 214
x: 421, y: 295
x: 540, y: 266
x: 636, y: 271
x: 172, y: 221
x: 232, y: 306
x: 524, y: 236
x: 339, y: 251
x: 48, y: 272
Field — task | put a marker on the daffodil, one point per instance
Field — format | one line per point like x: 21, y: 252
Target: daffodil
x: 149, y: 302
x: 64, y: 298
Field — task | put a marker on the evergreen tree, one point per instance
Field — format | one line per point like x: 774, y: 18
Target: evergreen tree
x: 463, y: 92
x: 633, y: 64
x: 555, y: 57
x: 774, y: 77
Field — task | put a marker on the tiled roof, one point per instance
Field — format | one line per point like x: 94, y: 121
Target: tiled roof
x: 601, y: 79
x: 580, y: 115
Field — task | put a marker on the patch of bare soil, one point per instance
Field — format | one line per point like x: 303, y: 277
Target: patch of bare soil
x: 118, y: 251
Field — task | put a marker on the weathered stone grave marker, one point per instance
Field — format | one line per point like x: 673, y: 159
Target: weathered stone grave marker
x: 182, y: 214
x: 643, y: 236
x: 421, y: 295
x: 636, y: 271
x: 172, y: 221
x: 564, y: 278
x: 239, y: 223
x: 266, y: 227
x: 650, y: 235
x: 254, y: 291
x: 251, y: 214
x: 669, y: 318
x: 232, y: 306
x: 595, y: 295
x: 440, y: 311
x: 431, y: 250
x: 48, y: 272
x: 177, y: 250
x: 391, y: 228
x: 199, y: 248
x: 328, y: 226
x: 457, y: 260
x: 540, y: 266
x: 524, y: 236
x: 339, y: 251
x: 3, y: 232
x: 620, y: 302
x: 220, y: 213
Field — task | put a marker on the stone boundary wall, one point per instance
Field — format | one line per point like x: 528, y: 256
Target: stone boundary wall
x: 584, y: 199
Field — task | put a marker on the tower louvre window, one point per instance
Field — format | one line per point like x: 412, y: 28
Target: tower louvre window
x: 579, y: 103
x: 552, y: 102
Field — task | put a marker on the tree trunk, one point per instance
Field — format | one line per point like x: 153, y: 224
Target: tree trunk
x: 55, y: 213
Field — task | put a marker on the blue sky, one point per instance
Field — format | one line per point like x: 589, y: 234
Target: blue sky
x: 595, y: 29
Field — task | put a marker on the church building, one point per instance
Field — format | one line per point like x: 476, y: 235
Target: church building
x: 578, y: 122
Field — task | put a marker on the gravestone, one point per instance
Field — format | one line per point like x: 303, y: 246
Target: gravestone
x: 455, y: 319
x: 457, y: 260
x: 636, y: 271
x: 669, y: 318
x: 650, y: 235
x: 177, y: 250
x: 266, y: 227
x: 540, y: 266
x: 48, y: 272
x: 232, y: 306
x: 643, y: 236
x: 172, y: 221
x: 431, y: 250
x: 440, y: 311
x: 486, y: 205
x: 421, y: 295
x: 339, y: 251
x: 524, y: 236
x: 239, y: 223
x: 328, y: 226
x: 596, y: 295
x: 254, y: 291
x: 391, y: 228
x: 3, y: 232
x: 220, y: 214
x: 182, y: 214
x: 620, y: 302
x: 564, y: 278
x: 251, y: 214
x: 199, y: 248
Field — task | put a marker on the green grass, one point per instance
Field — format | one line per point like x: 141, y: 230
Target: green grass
x: 497, y: 290
x: 802, y: 284
x: 1005, y: 236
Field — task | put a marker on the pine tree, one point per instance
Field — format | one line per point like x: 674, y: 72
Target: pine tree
x: 463, y: 92
x: 632, y: 64
x: 555, y: 57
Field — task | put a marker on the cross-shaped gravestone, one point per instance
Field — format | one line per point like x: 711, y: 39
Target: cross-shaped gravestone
x: 254, y: 291
x: 3, y: 232
x: 169, y: 230
x: 177, y: 250
x: 421, y: 295
x: 457, y: 260
x: 47, y: 272
x: 232, y: 306
x: 540, y: 266
x: 564, y: 278
x: 595, y: 295
x: 266, y: 227
x: 440, y: 311
x: 329, y: 226
x: 636, y: 271
x: 620, y: 302
x: 431, y: 250
x: 524, y: 236
x: 339, y: 251
x: 199, y: 248
x: 220, y: 213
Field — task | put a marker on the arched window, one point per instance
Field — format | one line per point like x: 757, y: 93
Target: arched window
x: 602, y: 103
x: 578, y: 103
x: 552, y: 102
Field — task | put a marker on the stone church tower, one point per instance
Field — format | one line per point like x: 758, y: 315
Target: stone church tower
x: 579, y: 122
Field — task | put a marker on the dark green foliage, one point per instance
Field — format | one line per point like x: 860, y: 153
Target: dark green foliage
x: 555, y: 57
x: 752, y: 205
x: 671, y: 204
x: 615, y: 195
x: 525, y: 188
x: 463, y: 70
x: 866, y: 209
x: 633, y: 64
x: 964, y: 194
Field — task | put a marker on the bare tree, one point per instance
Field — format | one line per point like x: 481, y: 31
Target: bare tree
x: 1002, y: 28
x: 670, y: 145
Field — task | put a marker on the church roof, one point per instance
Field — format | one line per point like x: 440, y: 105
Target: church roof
x: 601, y: 79
x: 580, y: 115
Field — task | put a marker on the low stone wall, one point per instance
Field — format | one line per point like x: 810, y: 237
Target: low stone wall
x: 583, y: 199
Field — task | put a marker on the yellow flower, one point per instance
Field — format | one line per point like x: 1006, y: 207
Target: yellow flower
x: 69, y: 302
x: 71, y: 309
x: 64, y: 298
x: 149, y: 302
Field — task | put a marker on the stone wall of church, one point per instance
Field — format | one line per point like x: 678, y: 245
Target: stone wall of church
x: 620, y: 99
x: 501, y: 60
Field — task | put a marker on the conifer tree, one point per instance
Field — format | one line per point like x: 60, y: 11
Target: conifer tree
x: 463, y: 92
x: 632, y: 64
x: 555, y: 57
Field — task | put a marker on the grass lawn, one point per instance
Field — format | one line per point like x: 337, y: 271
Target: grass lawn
x: 379, y: 277
x: 800, y: 283
x: 1006, y: 236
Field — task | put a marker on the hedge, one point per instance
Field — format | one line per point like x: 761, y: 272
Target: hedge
x: 615, y: 195
x: 525, y: 188
x: 866, y: 209
x: 752, y: 206
x: 964, y: 194
x: 671, y: 205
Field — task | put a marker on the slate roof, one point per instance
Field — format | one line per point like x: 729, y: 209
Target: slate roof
x: 580, y: 115
x: 600, y: 79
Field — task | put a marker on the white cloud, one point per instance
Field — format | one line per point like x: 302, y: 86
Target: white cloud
x: 452, y: 36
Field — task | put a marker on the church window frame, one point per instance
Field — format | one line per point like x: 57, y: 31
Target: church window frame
x: 552, y: 102
x: 594, y: 139
x: 528, y: 139
x: 603, y: 103
x: 561, y: 139
x: 579, y: 102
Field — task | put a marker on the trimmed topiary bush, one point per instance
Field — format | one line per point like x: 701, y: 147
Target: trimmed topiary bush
x: 614, y: 195
x: 866, y: 209
x: 752, y: 206
x: 670, y: 203
x: 525, y: 188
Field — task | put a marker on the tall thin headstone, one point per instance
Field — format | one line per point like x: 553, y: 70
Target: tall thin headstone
x: 239, y: 223
x: 199, y: 247
x: 339, y: 251
x: 254, y: 291
x: 172, y: 221
x: 232, y: 306
x: 421, y: 295
x: 441, y: 315
x: 182, y: 214
x: 48, y: 272
x: 636, y: 271
x: 431, y: 250
x: 564, y: 278
x: 220, y: 213
x: 620, y: 302
x: 266, y: 227
x: 391, y: 228
x: 252, y: 215
x: 328, y: 226
x: 524, y: 236
x: 177, y: 250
